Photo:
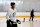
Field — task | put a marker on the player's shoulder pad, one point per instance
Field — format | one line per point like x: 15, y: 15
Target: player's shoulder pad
x: 8, y: 9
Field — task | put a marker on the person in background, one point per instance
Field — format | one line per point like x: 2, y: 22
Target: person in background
x: 32, y: 15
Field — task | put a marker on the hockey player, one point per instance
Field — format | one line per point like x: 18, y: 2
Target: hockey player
x: 11, y: 16
x: 32, y: 15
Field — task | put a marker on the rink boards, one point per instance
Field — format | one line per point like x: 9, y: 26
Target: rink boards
x: 20, y: 14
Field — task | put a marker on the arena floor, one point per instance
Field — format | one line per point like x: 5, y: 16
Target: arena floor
x: 23, y: 24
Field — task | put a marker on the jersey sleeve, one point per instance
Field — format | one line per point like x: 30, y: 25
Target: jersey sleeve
x: 7, y: 15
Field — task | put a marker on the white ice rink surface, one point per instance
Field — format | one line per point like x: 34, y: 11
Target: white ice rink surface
x: 23, y: 24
